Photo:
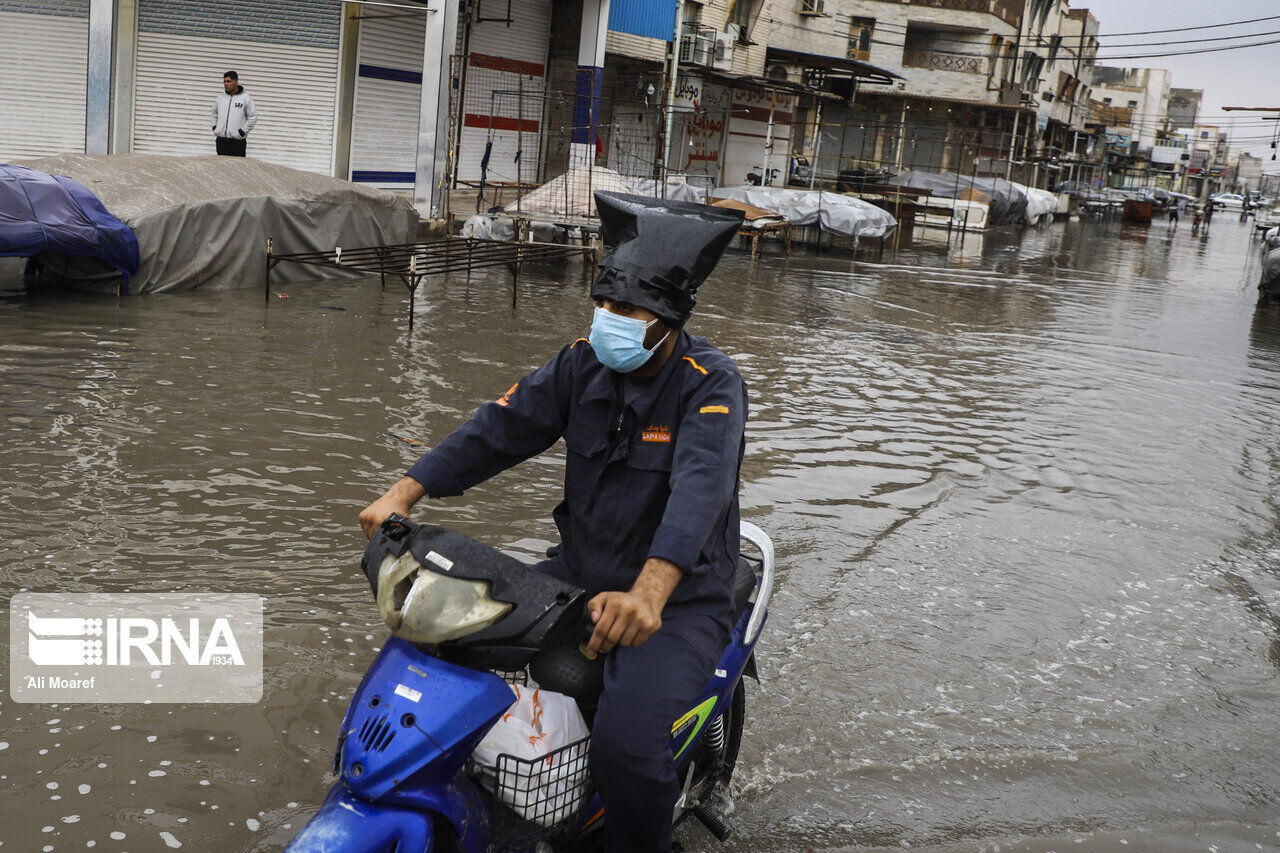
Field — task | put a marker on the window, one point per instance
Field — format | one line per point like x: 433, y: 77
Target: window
x: 1133, y: 105
x: 1106, y: 101
x: 860, y: 30
x: 743, y: 14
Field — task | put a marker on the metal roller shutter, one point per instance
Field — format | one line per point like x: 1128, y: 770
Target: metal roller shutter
x: 384, y: 124
x: 505, y: 60
x: 749, y: 133
x: 42, y: 111
x: 287, y: 59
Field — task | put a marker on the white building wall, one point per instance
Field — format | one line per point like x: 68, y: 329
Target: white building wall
x: 828, y: 36
x: 1148, y: 88
x: 636, y: 47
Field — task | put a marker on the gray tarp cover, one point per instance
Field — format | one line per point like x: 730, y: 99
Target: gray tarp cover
x: 832, y: 212
x: 1271, y: 256
x: 1007, y: 202
x: 204, y: 221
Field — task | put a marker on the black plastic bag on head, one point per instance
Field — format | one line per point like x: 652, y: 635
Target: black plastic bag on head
x: 658, y: 251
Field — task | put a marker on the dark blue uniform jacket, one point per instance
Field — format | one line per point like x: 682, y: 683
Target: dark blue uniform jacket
x: 657, y: 478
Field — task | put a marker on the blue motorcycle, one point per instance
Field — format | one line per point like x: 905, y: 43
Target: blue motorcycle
x: 468, y: 621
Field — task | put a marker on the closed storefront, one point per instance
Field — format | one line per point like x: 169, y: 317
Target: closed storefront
x: 503, y: 101
x: 759, y: 130
x: 388, y: 98
x: 287, y: 58
x: 47, y: 45
x: 698, y: 130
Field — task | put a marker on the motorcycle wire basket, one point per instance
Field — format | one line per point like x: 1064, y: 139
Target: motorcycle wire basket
x: 541, y: 796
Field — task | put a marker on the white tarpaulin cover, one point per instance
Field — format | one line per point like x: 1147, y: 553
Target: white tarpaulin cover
x: 678, y: 189
x: 571, y: 196
x: 1039, y: 203
x: 571, y: 193
x: 204, y: 221
x: 839, y: 214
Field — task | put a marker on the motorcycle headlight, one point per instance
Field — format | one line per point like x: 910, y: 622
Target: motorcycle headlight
x: 426, y: 606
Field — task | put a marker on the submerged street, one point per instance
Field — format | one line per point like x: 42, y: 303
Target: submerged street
x: 1024, y: 500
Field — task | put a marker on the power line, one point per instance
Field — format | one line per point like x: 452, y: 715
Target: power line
x: 1199, y: 27
x: 1191, y: 52
x: 1070, y: 40
x: 993, y: 55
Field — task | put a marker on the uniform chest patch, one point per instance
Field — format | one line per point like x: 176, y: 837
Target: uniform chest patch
x: 659, y: 434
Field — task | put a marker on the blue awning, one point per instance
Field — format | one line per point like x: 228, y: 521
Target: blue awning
x: 655, y: 19
x: 41, y: 212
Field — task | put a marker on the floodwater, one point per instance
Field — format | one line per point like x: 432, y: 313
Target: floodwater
x: 1025, y: 502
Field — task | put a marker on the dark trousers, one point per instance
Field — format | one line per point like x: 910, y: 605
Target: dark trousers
x: 646, y: 688
x: 231, y: 147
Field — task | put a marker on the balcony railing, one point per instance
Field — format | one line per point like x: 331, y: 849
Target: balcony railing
x: 1009, y: 11
x: 944, y: 61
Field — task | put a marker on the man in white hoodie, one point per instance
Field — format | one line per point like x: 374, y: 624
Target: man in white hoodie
x: 233, y: 117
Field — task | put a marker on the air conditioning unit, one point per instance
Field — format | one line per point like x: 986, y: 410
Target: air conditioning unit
x: 704, y: 50
x: 723, y: 57
x: 813, y: 8
x: 699, y: 48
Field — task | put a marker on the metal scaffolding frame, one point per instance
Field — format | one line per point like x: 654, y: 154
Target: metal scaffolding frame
x: 413, y: 262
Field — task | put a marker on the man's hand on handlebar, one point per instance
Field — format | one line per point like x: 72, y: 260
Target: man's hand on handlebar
x: 630, y: 618
x: 399, y: 498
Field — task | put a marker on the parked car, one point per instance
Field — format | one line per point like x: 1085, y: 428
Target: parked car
x: 1228, y: 200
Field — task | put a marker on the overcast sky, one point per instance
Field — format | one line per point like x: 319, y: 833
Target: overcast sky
x: 1238, y: 78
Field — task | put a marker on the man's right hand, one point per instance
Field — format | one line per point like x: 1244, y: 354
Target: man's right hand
x: 399, y: 498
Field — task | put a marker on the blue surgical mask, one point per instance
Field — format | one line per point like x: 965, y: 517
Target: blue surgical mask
x: 619, y: 341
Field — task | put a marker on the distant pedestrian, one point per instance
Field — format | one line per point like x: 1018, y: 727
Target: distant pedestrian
x: 1208, y: 213
x: 1173, y: 213
x: 233, y: 117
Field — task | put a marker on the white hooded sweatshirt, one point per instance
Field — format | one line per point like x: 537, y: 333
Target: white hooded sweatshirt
x: 234, y: 115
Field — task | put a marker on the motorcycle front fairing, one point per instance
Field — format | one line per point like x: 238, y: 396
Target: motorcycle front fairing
x: 406, y: 735
x: 416, y: 719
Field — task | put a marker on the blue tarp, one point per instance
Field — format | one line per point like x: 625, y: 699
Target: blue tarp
x: 41, y: 212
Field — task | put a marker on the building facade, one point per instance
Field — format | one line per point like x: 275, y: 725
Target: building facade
x: 511, y: 93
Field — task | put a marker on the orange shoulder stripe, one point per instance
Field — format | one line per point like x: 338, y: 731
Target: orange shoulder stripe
x: 579, y: 341
x: 696, y: 366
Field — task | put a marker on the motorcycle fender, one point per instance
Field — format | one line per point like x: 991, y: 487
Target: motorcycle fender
x: 459, y: 802
x: 348, y: 824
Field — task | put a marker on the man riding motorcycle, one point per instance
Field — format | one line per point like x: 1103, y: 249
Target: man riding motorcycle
x: 653, y: 420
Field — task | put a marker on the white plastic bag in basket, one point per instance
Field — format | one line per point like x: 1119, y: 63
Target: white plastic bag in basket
x: 539, y: 722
